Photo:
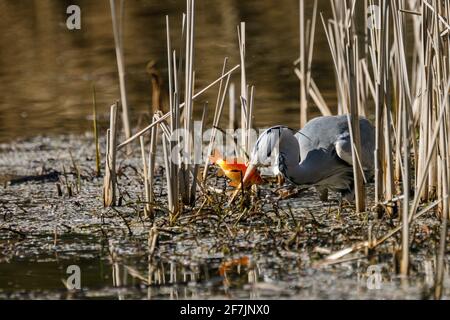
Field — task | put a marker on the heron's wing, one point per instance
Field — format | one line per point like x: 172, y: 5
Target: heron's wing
x: 332, y: 133
x: 343, y: 148
x: 321, y: 167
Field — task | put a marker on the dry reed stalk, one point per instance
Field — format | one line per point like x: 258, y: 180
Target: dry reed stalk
x: 303, y: 88
x: 146, y: 182
x: 352, y: 48
x: 404, y: 267
x: 389, y: 131
x: 250, y: 119
x: 306, y: 47
x: 404, y: 107
x: 151, y: 167
x: 95, y: 125
x: 174, y: 111
x: 422, y: 178
x: 343, y: 42
x: 167, y: 115
x: 389, y: 184
x: 167, y: 167
x: 316, y: 95
x: 121, y: 69
x: 375, y: 243
x: 244, y: 93
x: 216, y: 119
x: 169, y: 70
x: 339, y: 73
x: 380, y: 62
x: 197, y: 156
x: 439, y: 286
x: 110, y: 180
x: 442, y: 76
x: 189, y: 88
x: 232, y: 107
x: 444, y: 226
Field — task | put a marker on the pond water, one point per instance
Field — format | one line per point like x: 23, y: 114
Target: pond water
x: 46, y: 78
x: 270, y: 253
x: 214, y: 278
x: 47, y: 71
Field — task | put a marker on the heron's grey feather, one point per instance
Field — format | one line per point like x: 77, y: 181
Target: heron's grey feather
x: 319, y: 154
x: 326, y: 132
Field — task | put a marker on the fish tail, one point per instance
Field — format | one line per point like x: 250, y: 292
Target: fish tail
x: 234, y: 183
x: 216, y: 156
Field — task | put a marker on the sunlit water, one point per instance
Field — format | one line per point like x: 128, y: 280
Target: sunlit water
x: 47, y: 71
x: 100, y: 277
x: 46, y: 75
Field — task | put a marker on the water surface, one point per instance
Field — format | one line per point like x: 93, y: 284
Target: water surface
x: 47, y: 71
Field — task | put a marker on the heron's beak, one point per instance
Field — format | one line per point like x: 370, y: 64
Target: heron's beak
x: 251, y: 169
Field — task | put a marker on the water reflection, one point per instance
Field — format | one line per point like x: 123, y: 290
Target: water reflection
x: 129, y: 279
x: 47, y: 71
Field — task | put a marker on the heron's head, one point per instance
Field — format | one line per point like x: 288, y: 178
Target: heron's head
x: 272, y: 143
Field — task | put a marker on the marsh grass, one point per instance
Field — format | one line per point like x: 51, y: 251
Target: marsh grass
x: 95, y: 130
x: 410, y: 98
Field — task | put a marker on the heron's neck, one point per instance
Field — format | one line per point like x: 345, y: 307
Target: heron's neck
x: 299, y: 174
x: 289, y: 164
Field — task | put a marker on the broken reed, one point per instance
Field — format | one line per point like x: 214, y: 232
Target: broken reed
x: 110, y: 179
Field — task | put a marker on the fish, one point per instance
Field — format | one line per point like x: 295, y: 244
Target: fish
x: 234, y: 170
x: 228, y: 265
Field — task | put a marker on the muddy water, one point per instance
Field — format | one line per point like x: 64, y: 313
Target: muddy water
x: 270, y: 253
x: 102, y: 279
x: 46, y: 76
x: 47, y: 71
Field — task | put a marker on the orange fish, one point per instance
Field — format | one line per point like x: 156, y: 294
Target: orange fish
x: 234, y: 170
x: 228, y: 265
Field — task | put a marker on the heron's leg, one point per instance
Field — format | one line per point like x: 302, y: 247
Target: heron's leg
x: 345, y: 198
x: 280, y: 179
x: 323, y: 194
x: 349, y: 196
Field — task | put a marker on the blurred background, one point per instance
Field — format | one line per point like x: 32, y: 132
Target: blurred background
x: 47, y: 71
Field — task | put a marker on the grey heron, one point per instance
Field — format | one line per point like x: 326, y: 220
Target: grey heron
x: 318, y: 155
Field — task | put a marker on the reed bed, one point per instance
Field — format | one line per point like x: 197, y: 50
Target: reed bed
x: 405, y: 93
x: 410, y: 94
